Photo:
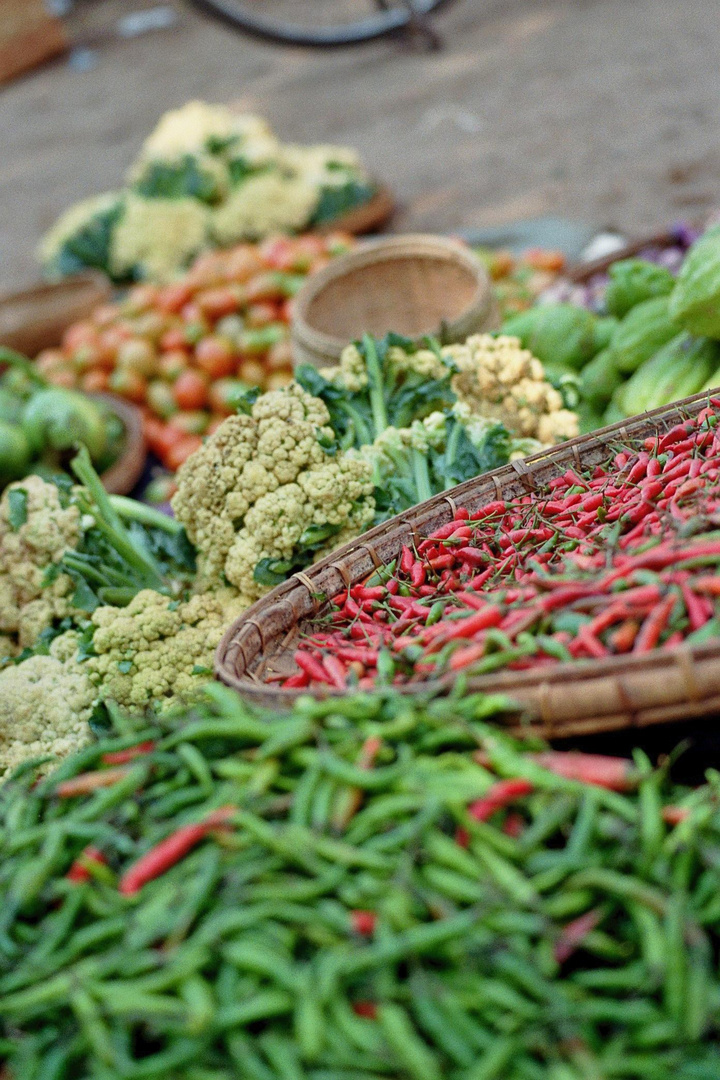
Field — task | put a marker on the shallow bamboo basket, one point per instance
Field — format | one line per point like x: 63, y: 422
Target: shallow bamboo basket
x: 583, y: 698
x: 412, y: 285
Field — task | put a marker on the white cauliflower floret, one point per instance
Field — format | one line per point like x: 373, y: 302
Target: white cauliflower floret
x: 265, y: 203
x: 158, y: 236
x: 322, y: 165
x: 155, y: 648
x: 27, y: 604
x: 196, y: 127
x: 261, y: 481
x: 45, y: 705
x: 498, y: 379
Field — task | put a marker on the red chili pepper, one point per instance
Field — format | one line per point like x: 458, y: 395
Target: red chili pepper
x: 406, y: 560
x: 465, y: 628
x: 472, y: 556
x: 171, y: 850
x: 462, y: 837
x: 336, y: 671
x: 697, y: 607
x: 366, y: 1009
x: 86, y: 783
x: 623, y: 639
x: 297, y: 682
x: 514, y: 825
x: 654, y: 625
x: 312, y: 666
x: 574, y: 934
x: 79, y: 872
x: 121, y: 757
x: 599, y: 770
x: 498, y: 797
x: 675, y: 815
x: 417, y: 575
x: 363, y: 922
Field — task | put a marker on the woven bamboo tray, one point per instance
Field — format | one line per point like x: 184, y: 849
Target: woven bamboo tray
x: 583, y: 698
x: 414, y: 285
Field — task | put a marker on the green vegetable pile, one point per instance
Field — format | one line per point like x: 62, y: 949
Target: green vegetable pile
x: 657, y: 342
x: 41, y: 424
x: 308, y: 897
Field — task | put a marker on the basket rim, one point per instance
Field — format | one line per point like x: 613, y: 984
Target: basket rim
x: 376, y: 251
x: 562, y: 673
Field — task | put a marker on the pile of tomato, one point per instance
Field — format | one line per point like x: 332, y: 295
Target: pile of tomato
x: 185, y: 351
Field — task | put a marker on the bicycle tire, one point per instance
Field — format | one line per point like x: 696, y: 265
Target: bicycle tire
x: 235, y: 12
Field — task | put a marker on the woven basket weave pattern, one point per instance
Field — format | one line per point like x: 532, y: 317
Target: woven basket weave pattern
x: 584, y: 697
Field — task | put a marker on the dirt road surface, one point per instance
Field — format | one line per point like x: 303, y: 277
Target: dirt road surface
x: 600, y: 110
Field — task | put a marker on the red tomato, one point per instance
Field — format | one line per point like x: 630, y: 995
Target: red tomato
x: 174, y: 338
x: 215, y: 356
x: 112, y: 338
x: 220, y: 301
x: 94, y: 382
x: 129, y: 384
x: 264, y: 287
x: 278, y: 252
x: 172, y: 298
x: 140, y: 298
x: 181, y: 450
x: 286, y: 310
x: 261, y: 314
x: 77, y: 335
x: 190, y: 390
x: 173, y: 363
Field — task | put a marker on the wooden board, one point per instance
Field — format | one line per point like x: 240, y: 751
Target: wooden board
x: 29, y: 34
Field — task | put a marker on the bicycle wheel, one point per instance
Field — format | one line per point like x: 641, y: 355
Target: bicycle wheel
x: 319, y: 22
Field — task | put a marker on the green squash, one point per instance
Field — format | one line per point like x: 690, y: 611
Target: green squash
x: 641, y: 333
x: 695, y: 300
x: 632, y: 281
x: 556, y: 333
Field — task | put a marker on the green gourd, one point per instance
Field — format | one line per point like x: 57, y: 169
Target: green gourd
x: 556, y: 333
x: 641, y: 333
x: 599, y: 379
x: 14, y: 453
x: 632, y: 281
x: 695, y: 300
x: 679, y: 369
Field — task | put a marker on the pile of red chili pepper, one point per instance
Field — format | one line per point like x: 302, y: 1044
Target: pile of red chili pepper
x: 622, y: 558
x: 368, y: 888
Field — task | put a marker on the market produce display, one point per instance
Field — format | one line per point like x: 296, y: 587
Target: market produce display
x: 206, y: 178
x: 655, y: 339
x: 40, y: 423
x: 368, y: 889
x: 620, y: 558
x: 520, y: 280
x: 187, y: 351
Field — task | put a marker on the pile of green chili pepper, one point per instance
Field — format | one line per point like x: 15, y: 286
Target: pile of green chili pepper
x: 368, y: 888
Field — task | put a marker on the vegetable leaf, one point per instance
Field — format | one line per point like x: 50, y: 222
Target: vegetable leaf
x: 338, y: 199
x: 178, y: 180
x: 17, y: 508
x: 125, y: 666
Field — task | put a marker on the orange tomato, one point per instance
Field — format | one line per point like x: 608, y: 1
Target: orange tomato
x: 138, y: 355
x: 253, y: 372
x: 192, y: 422
x: 94, y: 382
x: 173, y: 363
x: 264, y: 287
x: 540, y: 259
x: 140, y: 298
x: 128, y: 383
x: 279, y: 252
x: 243, y: 262
x: 279, y: 356
x: 62, y: 375
x: 180, y: 451
x: 160, y: 398
x: 215, y: 356
x: 220, y: 301
x: 104, y: 315
x: 286, y: 310
x: 278, y: 379
x: 172, y: 298
x: 112, y: 338
x: 261, y: 314
x: 49, y: 359
x: 190, y: 390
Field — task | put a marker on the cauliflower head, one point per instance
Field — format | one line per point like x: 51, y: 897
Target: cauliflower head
x: 496, y: 378
x: 155, y: 648
x: 270, y: 486
x: 155, y: 238
x: 45, y: 705
x: 197, y: 127
x: 82, y: 235
x: 28, y: 605
x: 265, y: 203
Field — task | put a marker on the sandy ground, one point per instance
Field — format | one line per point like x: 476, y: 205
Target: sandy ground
x: 601, y: 110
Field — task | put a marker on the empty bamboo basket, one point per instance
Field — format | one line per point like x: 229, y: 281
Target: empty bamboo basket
x: 581, y: 698
x: 412, y: 285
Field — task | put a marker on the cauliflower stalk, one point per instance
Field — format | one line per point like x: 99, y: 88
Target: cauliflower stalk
x: 269, y: 492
